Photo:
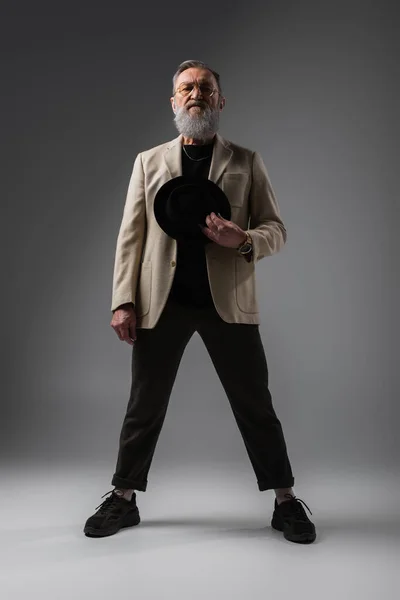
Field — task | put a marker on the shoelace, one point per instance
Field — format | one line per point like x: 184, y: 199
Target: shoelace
x: 296, y: 506
x: 108, y: 501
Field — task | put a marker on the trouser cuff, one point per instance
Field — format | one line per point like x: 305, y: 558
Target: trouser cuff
x: 129, y: 484
x: 266, y: 485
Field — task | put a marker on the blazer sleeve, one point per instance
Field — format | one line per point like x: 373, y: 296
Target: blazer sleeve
x: 266, y: 227
x: 130, y: 239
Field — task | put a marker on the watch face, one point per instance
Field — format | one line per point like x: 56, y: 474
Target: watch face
x: 245, y: 249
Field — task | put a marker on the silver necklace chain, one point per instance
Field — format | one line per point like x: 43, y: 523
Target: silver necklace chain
x: 195, y: 159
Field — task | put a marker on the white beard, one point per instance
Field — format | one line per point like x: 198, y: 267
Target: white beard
x: 199, y: 124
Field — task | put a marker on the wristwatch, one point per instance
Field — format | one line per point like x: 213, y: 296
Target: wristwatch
x: 247, y: 246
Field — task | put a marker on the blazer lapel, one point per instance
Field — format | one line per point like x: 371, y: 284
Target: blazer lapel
x: 172, y: 157
x: 219, y: 161
x: 220, y: 158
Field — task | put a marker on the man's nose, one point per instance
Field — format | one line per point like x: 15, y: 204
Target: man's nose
x: 196, y: 92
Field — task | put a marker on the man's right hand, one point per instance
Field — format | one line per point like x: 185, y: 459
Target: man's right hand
x: 124, y: 323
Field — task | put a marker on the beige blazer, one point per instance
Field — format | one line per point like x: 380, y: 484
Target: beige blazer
x: 145, y: 257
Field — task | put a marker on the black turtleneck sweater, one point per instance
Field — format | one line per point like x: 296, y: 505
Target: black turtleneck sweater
x: 191, y: 286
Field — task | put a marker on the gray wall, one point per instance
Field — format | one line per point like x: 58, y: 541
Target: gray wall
x: 311, y: 86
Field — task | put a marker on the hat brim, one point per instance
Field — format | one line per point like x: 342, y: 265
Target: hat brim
x: 179, y: 212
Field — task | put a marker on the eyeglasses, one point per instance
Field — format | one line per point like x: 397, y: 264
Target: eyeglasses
x: 187, y: 88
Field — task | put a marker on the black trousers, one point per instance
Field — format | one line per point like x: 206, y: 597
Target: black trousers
x: 238, y: 356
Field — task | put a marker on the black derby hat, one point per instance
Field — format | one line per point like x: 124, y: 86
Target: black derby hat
x: 183, y: 202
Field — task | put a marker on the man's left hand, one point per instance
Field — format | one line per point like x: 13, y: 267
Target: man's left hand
x: 223, y: 232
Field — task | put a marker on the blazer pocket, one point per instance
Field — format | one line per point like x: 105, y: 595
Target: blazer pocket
x: 245, y: 283
x: 235, y: 187
x: 143, y: 294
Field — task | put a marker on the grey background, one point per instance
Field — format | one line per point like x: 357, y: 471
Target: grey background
x: 310, y: 85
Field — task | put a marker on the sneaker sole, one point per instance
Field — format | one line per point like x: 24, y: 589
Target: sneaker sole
x: 130, y: 522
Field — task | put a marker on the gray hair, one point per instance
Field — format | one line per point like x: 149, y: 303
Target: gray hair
x: 188, y: 64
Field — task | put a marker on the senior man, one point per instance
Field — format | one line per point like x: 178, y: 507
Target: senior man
x: 167, y: 287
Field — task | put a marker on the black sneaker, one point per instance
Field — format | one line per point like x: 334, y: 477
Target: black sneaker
x: 290, y: 517
x: 113, y: 514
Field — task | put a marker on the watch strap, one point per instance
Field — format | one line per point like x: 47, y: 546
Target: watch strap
x: 247, y: 241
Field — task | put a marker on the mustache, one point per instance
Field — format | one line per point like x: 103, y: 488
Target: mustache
x: 197, y: 104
